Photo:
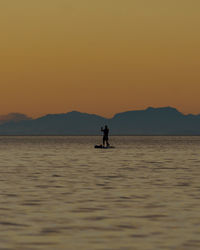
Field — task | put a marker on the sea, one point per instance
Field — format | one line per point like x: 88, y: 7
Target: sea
x: 59, y: 192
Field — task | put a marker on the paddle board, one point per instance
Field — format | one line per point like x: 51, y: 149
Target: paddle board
x: 103, y: 147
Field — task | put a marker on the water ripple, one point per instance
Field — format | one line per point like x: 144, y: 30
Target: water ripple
x: 60, y: 193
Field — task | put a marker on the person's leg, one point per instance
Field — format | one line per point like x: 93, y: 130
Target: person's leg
x: 103, y: 141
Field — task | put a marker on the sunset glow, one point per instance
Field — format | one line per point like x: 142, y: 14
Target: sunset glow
x: 99, y: 57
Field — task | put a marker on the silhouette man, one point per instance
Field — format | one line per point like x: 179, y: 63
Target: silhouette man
x: 105, y: 135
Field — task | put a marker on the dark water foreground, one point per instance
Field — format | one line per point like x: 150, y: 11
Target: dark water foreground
x: 61, y: 193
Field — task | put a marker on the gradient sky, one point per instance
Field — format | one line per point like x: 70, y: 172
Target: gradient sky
x: 99, y: 57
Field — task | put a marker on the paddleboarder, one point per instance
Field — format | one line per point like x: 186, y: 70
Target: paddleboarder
x: 105, y: 135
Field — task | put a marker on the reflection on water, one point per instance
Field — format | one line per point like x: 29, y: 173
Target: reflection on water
x: 61, y: 193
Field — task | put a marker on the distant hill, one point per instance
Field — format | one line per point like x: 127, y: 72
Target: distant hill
x: 15, y: 117
x: 151, y: 121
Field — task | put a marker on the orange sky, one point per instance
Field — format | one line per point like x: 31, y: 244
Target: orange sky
x: 99, y: 57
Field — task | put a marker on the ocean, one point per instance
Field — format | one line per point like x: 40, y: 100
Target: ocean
x: 58, y: 192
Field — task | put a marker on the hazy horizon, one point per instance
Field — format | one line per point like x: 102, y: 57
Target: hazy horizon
x: 18, y: 115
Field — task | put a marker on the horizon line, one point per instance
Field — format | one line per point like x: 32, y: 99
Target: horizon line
x: 84, y: 112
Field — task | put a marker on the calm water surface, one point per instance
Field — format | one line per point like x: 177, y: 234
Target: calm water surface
x: 61, y: 193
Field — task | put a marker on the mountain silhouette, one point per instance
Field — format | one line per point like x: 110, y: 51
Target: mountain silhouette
x: 151, y: 121
x: 13, y: 117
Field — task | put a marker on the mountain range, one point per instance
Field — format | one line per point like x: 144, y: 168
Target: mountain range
x: 151, y: 121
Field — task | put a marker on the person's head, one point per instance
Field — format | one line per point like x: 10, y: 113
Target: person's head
x: 106, y: 126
